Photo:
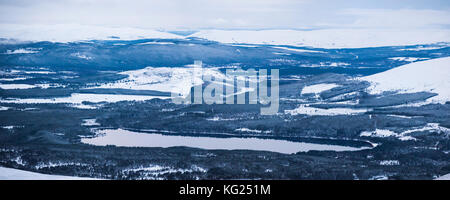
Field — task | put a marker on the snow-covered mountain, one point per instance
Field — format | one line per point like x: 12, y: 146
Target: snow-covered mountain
x: 74, y: 32
x: 429, y: 76
x: 324, y: 38
x: 328, y: 38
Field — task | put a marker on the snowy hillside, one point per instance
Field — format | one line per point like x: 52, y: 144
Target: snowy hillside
x: 177, y: 80
x: 445, y: 177
x: 429, y: 76
x: 73, y: 32
x: 328, y: 38
x: 16, y: 174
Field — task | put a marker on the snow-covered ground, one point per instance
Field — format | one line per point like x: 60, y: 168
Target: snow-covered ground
x: 16, y: 174
x: 425, y: 76
x: 328, y: 38
x: 318, y: 88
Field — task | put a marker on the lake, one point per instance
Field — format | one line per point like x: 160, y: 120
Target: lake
x: 126, y: 138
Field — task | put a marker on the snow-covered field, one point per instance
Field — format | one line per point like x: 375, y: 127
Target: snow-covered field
x: 16, y: 174
x: 425, y: 76
x: 328, y: 38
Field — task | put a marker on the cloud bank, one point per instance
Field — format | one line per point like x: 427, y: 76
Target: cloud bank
x: 230, y: 14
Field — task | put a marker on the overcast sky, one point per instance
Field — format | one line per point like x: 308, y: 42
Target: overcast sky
x: 231, y: 14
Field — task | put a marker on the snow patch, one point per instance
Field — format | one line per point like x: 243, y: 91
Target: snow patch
x: 81, y: 56
x: 304, y: 109
x: 326, y: 64
x: 383, y: 133
x: 423, y: 48
x: 3, y: 108
x: 28, y: 86
x: 407, y: 59
x: 215, y: 119
x: 13, y: 79
x: 11, y: 127
x: 77, y: 99
x: 252, y: 130
x: 153, y: 172
x: 90, y: 122
x: 299, y: 50
x: 21, y: 51
x: 59, y: 164
x: 16, y: 86
x: 318, y: 88
x: 39, y: 72
x: 160, y: 43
